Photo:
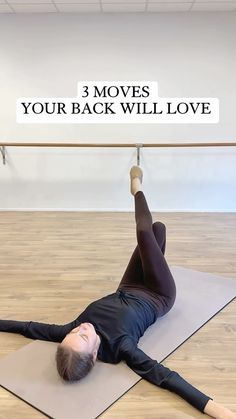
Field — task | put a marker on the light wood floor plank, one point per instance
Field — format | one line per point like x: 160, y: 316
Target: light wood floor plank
x: 52, y: 264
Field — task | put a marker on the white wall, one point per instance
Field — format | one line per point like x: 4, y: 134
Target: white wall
x: 188, y: 54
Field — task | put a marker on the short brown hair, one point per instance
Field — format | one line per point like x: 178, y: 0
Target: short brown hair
x: 73, y: 365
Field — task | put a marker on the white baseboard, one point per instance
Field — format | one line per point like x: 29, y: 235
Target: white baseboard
x: 113, y: 210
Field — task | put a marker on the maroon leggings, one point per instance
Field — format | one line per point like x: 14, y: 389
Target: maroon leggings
x: 147, y: 273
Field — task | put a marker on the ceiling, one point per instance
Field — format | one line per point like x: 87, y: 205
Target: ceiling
x: 114, y: 6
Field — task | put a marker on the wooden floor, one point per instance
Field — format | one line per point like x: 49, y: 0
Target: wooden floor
x: 53, y: 264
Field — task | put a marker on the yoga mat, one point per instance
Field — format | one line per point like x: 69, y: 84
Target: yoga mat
x: 30, y: 372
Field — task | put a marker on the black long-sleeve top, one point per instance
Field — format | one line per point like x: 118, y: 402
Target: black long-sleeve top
x: 120, y: 319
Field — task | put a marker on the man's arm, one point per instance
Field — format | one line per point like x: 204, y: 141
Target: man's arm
x: 35, y: 330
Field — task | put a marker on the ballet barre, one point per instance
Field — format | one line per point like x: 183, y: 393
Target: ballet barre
x: 138, y: 146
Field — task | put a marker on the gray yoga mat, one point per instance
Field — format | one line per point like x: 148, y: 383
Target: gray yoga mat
x: 30, y: 372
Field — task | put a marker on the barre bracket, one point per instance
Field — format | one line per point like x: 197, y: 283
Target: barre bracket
x: 3, y: 151
x: 138, y: 146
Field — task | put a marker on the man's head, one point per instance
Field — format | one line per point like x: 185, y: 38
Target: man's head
x: 77, y: 352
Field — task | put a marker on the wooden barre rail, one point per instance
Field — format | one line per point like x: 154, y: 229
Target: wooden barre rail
x: 218, y: 144
x: 137, y: 145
